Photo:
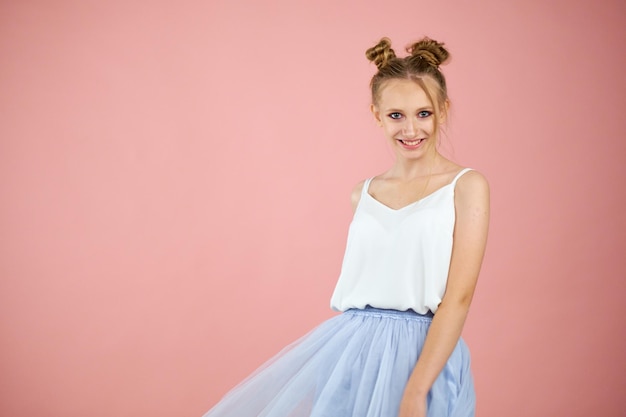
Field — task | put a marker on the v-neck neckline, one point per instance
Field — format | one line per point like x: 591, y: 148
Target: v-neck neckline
x: 414, y: 203
x: 407, y: 205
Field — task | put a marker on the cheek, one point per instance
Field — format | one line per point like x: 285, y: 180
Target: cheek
x: 392, y: 130
x: 428, y: 125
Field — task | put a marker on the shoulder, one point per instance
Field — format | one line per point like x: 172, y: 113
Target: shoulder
x: 472, y: 189
x: 472, y: 180
x: 355, y: 197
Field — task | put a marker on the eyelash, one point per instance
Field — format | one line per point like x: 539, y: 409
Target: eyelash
x: 422, y: 115
x: 428, y: 113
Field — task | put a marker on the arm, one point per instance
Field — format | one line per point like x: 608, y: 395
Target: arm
x: 470, y: 237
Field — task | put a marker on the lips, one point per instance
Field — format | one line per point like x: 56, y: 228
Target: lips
x: 411, y: 144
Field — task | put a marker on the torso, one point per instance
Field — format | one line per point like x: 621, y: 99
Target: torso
x: 397, y: 257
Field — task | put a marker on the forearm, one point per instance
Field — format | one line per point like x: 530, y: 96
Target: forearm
x: 442, y: 338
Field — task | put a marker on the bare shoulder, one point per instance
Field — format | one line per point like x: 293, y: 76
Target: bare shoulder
x: 472, y: 189
x: 356, y: 194
x: 472, y: 181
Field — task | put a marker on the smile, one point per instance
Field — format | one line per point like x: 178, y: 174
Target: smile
x: 411, y: 143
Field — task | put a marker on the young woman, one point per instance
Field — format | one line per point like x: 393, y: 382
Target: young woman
x: 414, y: 251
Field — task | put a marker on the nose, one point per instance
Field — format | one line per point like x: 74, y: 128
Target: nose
x: 409, y: 128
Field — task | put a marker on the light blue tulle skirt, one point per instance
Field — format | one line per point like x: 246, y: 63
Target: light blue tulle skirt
x: 355, y: 364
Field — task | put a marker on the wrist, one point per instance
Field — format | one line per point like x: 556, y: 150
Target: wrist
x: 415, y: 390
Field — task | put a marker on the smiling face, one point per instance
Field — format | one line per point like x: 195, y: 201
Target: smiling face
x: 407, y: 116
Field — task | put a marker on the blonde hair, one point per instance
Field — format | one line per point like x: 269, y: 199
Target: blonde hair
x: 421, y: 65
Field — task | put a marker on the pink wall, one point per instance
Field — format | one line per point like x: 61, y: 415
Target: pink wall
x: 175, y: 178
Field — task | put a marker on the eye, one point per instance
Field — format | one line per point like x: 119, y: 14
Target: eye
x: 424, y: 113
x: 395, y: 115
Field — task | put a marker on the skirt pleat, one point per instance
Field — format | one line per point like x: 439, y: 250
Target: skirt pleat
x: 355, y: 364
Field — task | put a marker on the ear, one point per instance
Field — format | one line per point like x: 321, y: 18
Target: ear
x: 376, y: 114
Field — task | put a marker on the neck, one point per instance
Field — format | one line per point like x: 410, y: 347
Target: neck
x: 411, y: 169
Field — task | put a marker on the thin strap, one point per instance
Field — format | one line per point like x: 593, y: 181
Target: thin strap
x: 366, y: 186
x: 463, y: 171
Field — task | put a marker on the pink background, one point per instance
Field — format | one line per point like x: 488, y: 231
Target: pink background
x: 175, y: 180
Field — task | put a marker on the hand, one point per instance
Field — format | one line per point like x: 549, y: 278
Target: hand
x: 412, y: 405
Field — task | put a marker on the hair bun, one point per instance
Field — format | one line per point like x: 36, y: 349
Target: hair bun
x: 430, y: 50
x: 381, y: 53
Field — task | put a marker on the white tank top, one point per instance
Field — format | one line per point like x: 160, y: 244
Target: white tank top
x: 398, y: 259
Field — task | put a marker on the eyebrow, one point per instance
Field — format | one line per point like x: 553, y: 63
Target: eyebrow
x: 400, y: 111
